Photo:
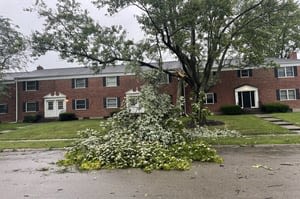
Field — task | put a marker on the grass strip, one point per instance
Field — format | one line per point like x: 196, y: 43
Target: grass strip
x: 255, y: 140
x: 35, y: 144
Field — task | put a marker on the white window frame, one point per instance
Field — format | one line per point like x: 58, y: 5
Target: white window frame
x: 164, y: 79
x: 111, y: 81
x: 50, y: 108
x: 108, y: 105
x: 285, y: 74
x: 76, y: 105
x: 287, y: 94
x: 60, y: 105
x: 213, y: 98
x: 6, y: 108
x: 31, y: 89
x: 30, y: 111
x: 244, y: 70
x: 80, y: 84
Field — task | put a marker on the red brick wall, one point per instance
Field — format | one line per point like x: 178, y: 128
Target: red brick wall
x: 95, y: 92
x: 263, y: 79
x: 10, y: 100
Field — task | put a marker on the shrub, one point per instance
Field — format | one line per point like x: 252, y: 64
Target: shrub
x: 231, y: 110
x: 67, y: 117
x: 32, y: 118
x: 275, y: 108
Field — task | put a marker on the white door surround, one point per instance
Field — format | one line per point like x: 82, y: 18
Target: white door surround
x: 54, y: 104
x: 247, y: 97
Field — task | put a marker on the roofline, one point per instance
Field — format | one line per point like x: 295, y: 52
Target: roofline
x: 124, y: 73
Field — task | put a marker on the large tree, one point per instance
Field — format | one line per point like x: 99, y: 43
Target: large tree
x: 204, y: 35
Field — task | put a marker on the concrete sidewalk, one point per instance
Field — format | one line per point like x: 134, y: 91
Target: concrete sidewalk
x: 284, y: 124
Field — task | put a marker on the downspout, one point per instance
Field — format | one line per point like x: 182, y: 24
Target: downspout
x: 17, y: 101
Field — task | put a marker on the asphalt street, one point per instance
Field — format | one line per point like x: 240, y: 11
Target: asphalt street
x: 262, y: 172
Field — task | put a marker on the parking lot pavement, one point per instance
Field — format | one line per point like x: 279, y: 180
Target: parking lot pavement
x: 264, y: 172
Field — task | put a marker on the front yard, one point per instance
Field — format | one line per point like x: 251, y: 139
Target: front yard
x: 61, y: 134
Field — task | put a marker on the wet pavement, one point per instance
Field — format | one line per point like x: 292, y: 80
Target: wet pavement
x: 264, y: 172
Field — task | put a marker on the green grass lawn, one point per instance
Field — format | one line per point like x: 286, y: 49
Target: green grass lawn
x: 11, y: 126
x: 253, y: 129
x: 255, y: 140
x: 35, y: 144
x: 249, y: 125
x: 49, y: 130
x: 290, y: 117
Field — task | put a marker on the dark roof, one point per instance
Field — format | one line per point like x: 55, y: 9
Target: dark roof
x: 78, y: 71
x: 119, y: 69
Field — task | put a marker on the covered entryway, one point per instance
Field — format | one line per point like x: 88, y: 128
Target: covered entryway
x: 54, y: 105
x: 247, y: 97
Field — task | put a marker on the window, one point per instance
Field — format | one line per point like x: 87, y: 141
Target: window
x: 111, y: 102
x: 288, y: 71
x: 244, y: 73
x: 210, y: 98
x: 80, y: 104
x: 111, y: 81
x: 31, y: 106
x: 132, y: 102
x: 165, y: 79
x: 3, y: 108
x: 60, y: 104
x: 31, y: 86
x: 287, y: 94
x: 80, y: 83
x: 50, y: 105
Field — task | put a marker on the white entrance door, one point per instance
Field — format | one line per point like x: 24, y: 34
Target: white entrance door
x: 247, y: 97
x: 54, y: 105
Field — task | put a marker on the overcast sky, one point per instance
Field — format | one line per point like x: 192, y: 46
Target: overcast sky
x: 28, y: 22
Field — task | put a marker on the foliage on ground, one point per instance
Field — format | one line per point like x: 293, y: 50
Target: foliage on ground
x: 152, y: 140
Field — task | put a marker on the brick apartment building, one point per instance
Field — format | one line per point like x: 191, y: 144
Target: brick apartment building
x: 51, y: 91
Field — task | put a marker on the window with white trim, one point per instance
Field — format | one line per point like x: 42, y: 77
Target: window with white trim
x: 287, y: 94
x: 31, y: 107
x: 50, y: 105
x: 31, y: 85
x: 80, y: 104
x: 111, y: 102
x: 287, y: 71
x: 80, y: 83
x: 111, y: 81
x: 60, y: 104
x: 209, y: 98
x: 245, y: 73
x: 165, y: 78
x: 3, y: 108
